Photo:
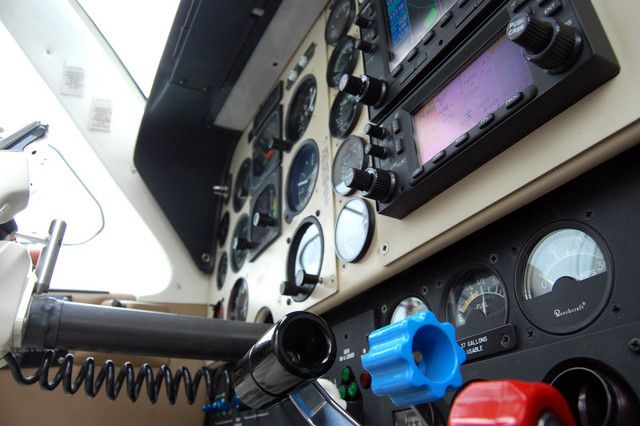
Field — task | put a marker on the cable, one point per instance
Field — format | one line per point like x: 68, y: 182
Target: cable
x: 113, y: 383
x: 102, y: 219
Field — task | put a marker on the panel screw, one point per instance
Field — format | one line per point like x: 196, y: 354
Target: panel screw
x: 205, y: 257
x: 588, y: 215
x: 424, y: 290
x: 634, y: 344
x: 530, y: 333
x: 383, y: 309
x: 615, y: 309
x: 493, y: 258
x: 505, y: 340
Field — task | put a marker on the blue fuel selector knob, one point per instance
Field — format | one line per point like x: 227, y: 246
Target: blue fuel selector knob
x: 415, y: 360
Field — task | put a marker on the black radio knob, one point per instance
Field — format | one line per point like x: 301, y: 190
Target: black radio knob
x: 367, y: 90
x: 363, y: 22
x: 303, y: 278
x: 279, y: 144
x: 549, y: 44
x: 242, y: 244
x: 358, y: 179
x: 376, y: 151
x: 263, y: 220
x: 365, y: 46
x: 383, y: 184
x: 374, y: 131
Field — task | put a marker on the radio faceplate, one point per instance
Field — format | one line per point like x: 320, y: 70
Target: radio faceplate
x: 490, y: 94
x: 412, y: 40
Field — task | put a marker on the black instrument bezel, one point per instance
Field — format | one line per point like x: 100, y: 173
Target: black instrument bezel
x: 293, y: 251
x: 290, y: 213
x: 371, y: 226
x: 256, y: 181
x: 273, y: 232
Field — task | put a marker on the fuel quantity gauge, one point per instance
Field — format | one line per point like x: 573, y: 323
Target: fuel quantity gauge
x: 477, y: 302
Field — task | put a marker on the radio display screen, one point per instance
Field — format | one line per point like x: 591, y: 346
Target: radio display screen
x: 408, y: 21
x: 481, y: 88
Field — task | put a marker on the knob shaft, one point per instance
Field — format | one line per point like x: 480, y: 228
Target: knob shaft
x: 279, y: 144
x: 365, y: 46
x: 376, y: 151
x: 287, y: 288
x: 374, y: 131
x: 242, y: 244
x: 303, y: 278
x: 549, y: 44
x: 263, y: 220
x: 358, y: 179
x: 351, y: 84
x: 363, y: 22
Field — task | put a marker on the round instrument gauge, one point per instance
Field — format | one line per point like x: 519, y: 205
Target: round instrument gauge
x: 242, y: 185
x: 302, y: 177
x: 407, y: 307
x: 223, y: 229
x: 265, y: 214
x: 241, y: 234
x: 305, y: 254
x: 477, y: 302
x: 343, y: 60
x: 344, y: 115
x: 340, y: 19
x: 565, y: 279
x: 354, y: 230
x: 350, y: 155
x: 301, y: 108
x: 223, y: 265
x: 265, y: 158
x: 238, y: 301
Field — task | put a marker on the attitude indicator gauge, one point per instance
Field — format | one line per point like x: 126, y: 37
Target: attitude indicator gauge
x: 301, y: 107
x: 565, y: 280
x: 477, y: 302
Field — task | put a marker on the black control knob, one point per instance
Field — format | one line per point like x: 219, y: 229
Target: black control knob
x: 549, y: 44
x: 365, y: 46
x: 351, y: 84
x: 367, y: 90
x: 303, y: 278
x: 376, y: 151
x: 263, y: 220
x: 383, y: 185
x: 242, y: 244
x: 287, y: 288
x: 279, y: 144
x: 363, y: 22
x: 374, y: 131
x: 358, y: 179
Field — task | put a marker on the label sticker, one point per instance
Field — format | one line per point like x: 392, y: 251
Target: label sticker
x: 72, y: 80
x: 100, y: 115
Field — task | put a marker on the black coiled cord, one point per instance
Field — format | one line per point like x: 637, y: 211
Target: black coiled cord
x: 113, y: 383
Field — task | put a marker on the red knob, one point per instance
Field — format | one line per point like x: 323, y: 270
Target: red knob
x: 510, y: 403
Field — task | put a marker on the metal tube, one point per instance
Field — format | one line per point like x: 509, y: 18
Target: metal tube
x: 54, y: 323
x: 49, y: 256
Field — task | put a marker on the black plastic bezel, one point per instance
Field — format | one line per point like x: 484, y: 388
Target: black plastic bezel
x: 238, y: 203
x: 234, y: 267
x: 287, y: 123
x: 333, y: 113
x: 240, y: 282
x: 274, y: 179
x: 345, y: 30
x: 276, y: 158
